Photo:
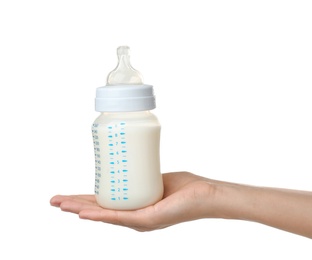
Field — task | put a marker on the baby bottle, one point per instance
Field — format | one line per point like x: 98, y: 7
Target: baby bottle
x: 126, y: 139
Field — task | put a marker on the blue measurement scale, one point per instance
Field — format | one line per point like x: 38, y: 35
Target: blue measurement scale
x: 118, y: 162
x: 97, y: 156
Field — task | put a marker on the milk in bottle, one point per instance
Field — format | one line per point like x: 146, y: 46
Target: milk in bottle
x: 126, y: 139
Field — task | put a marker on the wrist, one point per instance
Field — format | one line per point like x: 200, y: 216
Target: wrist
x: 235, y: 201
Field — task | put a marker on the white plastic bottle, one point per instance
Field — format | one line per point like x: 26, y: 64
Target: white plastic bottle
x: 126, y: 140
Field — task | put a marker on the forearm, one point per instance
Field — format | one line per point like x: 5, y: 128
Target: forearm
x: 288, y: 210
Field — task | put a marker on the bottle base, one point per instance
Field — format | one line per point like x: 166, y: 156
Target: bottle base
x: 126, y: 205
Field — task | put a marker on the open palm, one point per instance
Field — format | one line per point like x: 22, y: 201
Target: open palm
x: 182, y: 201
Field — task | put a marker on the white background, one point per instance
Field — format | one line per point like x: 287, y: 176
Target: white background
x: 233, y: 85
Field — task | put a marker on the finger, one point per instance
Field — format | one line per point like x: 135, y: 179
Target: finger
x: 58, y: 199
x: 107, y: 216
x: 75, y: 206
x: 140, y: 220
x: 89, y: 199
x: 99, y: 214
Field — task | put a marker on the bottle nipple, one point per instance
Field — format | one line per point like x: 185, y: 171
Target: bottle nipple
x: 124, y: 73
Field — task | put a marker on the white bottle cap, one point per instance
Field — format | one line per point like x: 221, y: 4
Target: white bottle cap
x: 125, y: 91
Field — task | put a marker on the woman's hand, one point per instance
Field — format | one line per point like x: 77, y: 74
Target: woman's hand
x: 188, y: 197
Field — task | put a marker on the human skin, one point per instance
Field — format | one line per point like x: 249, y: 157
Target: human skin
x: 189, y: 197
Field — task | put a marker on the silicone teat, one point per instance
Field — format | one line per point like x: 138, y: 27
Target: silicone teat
x: 124, y: 72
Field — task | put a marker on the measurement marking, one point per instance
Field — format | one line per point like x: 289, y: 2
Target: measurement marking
x: 118, y: 161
